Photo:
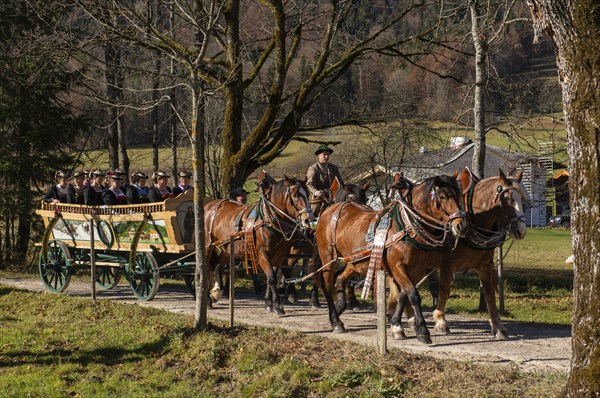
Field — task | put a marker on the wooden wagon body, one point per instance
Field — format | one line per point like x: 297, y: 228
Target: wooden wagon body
x: 140, y: 241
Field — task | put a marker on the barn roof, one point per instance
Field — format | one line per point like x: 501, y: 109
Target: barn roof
x: 448, y: 160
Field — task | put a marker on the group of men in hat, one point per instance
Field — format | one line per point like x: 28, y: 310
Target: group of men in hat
x: 88, y: 188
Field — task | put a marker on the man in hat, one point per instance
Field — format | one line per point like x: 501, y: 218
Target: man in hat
x: 160, y: 190
x: 59, y: 192
x: 184, y: 183
x: 239, y: 195
x: 114, y: 194
x: 319, y: 178
x: 75, y: 195
x: 137, y: 192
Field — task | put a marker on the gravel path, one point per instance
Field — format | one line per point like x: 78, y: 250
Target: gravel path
x: 531, y: 347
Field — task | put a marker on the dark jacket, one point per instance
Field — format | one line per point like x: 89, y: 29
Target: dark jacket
x: 136, y: 195
x: 53, y: 193
x: 154, y: 194
x: 178, y: 190
x: 109, y: 198
x: 75, y: 198
x: 91, y: 197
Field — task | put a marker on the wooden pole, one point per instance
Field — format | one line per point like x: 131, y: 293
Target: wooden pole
x: 93, y: 259
x: 381, y: 313
x: 231, y: 280
x: 500, y: 262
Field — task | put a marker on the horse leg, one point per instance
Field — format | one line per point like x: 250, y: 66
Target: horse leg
x: 415, y: 301
x: 328, y: 283
x: 487, y: 276
x: 396, y: 321
x: 439, y: 316
x: 340, y: 287
x: 314, y: 293
x: 351, y: 297
x: 434, y: 287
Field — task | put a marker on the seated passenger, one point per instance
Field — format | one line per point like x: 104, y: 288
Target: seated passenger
x: 59, y: 193
x: 122, y: 174
x: 114, y: 195
x: 87, y: 180
x: 75, y: 196
x: 239, y: 195
x: 137, y: 192
x: 184, y: 183
x: 92, y: 194
x: 159, y: 190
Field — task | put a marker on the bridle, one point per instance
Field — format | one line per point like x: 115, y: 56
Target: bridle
x: 274, y: 214
x: 500, y: 191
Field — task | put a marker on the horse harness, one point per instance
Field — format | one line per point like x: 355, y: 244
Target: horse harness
x: 263, y: 213
x: 485, y: 239
x: 411, y: 228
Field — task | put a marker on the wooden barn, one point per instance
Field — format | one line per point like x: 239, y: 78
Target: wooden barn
x: 427, y: 163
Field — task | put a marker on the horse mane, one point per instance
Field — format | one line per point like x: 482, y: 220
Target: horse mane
x: 441, y: 181
x: 360, y: 195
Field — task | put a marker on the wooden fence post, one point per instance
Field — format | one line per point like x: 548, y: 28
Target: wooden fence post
x: 231, y: 280
x: 381, y: 313
x: 500, y: 262
x: 92, y: 259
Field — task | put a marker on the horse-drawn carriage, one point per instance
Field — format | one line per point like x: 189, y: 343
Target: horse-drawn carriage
x: 141, y: 242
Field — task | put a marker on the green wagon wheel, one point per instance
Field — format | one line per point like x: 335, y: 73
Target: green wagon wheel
x: 107, y: 277
x: 55, y: 269
x: 144, y: 279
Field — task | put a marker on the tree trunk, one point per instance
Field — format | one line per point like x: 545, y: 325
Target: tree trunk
x: 198, y: 149
x: 112, y: 59
x: 481, y: 47
x: 574, y: 28
x: 173, y: 105
x: 234, y: 102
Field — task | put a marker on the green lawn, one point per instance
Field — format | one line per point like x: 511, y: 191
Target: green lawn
x: 61, y: 346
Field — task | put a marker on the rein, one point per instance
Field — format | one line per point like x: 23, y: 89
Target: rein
x: 270, y: 211
x: 486, y: 239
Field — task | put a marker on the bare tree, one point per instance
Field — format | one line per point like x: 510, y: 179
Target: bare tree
x: 574, y: 28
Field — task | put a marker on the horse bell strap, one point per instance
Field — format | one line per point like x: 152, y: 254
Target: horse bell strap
x: 250, y: 253
x: 376, y: 254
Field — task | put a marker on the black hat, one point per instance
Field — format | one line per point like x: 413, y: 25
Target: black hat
x: 97, y: 173
x: 237, y: 191
x: 115, y: 176
x: 161, y: 174
x: 119, y: 172
x: 139, y: 175
x: 323, y: 148
x: 81, y: 173
x: 63, y: 174
x: 185, y: 174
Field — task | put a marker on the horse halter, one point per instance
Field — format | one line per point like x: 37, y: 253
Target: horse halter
x: 301, y: 191
x: 500, y: 191
x: 461, y: 213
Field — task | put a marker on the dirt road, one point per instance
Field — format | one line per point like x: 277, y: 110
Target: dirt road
x: 530, y: 347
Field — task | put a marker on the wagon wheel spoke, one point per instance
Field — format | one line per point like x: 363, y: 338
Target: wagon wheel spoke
x: 55, y: 269
x: 107, y: 277
x: 145, y: 277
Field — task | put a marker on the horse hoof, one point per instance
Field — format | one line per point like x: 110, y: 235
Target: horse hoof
x: 279, y: 312
x: 268, y: 308
x: 424, y: 338
x: 398, y: 333
x: 339, y: 329
x: 442, y: 330
x: 315, y: 305
x: 292, y: 299
x: 356, y: 308
x: 501, y: 335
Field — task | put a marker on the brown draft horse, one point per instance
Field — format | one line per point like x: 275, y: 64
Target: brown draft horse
x: 436, y: 207
x: 267, y: 229
x: 495, y: 208
x: 307, y: 247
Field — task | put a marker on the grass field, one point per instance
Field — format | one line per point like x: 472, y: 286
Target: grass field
x: 61, y: 346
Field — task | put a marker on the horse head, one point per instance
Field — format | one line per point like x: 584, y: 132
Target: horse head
x: 294, y: 200
x: 353, y: 193
x: 444, y: 201
x: 510, y: 194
